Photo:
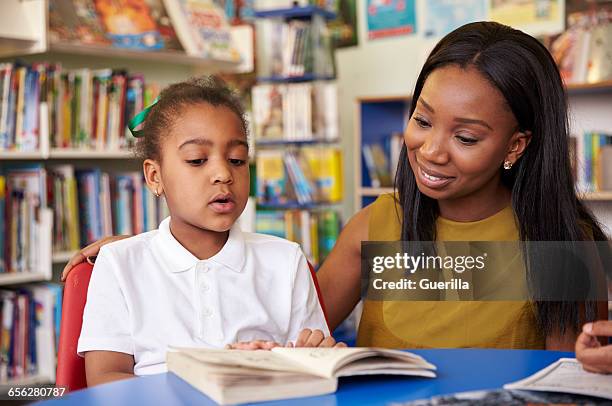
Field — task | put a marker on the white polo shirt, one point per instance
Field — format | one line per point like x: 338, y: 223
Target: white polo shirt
x: 148, y: 292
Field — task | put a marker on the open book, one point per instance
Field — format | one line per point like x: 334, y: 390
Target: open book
x: 567, y: 376
x: 235, y: 376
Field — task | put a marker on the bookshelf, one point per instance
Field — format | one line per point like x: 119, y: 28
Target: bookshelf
x: 296, y: 130
x: 376, y: 119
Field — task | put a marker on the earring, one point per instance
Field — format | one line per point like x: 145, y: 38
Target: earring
x: 157, y: 194
x: 507, y: 164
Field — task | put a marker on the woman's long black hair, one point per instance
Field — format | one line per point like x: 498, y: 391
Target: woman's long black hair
x: 543, y: 196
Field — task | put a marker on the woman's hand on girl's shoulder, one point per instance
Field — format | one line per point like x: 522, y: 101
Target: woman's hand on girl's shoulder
x: 89, y: 253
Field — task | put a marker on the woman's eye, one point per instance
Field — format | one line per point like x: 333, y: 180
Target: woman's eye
x: 237, y: 162
x: 421, y: 123
x: 466, y: 140
x: 196, y: 162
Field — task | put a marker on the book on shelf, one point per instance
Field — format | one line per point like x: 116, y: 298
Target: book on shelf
x: 44, y: 104
x: 315, y: 230
x: 130, y: 24
x: 308, y: 175
x: 202, y: 27
x: 234, y: 376
x: 27, y: 222
x: 294, y: 48
x: 592, y: 161
x: 115, y: 204
x: 62, y: 194
x: 29, y: 331
x: 76, y: 22
x: 582, y: 51
x: 295, y: 112
x: 566, y: 376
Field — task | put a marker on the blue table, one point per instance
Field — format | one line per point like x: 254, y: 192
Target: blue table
x: 459, y: 370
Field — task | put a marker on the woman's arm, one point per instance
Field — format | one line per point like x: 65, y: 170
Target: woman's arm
x: 340, y: 275
x: 107, y: 366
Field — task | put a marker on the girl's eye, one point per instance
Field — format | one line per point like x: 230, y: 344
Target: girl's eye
x: 421, y: 123
x: 196, y: 162
x: 237, y: 162
x: 466, y: 140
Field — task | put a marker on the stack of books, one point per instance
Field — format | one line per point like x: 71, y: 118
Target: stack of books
x: 29, y: 332
x: 106, y: 205
x: 305, y: 176
x: 295, y: 112
x: 583, y: 50
x: 593, y: 161
x: 381, y: 159
x: 25, y: 221
x: 315, y: 231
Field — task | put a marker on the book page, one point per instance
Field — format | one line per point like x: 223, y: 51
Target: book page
x: 259, y: 359
x: 566, y: 375
x: 326, y: 362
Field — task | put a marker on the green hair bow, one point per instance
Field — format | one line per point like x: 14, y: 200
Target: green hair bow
x: 139, y: 118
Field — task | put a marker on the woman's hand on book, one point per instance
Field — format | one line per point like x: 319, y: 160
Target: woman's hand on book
x: 89, y: 253
x: 589, y: 351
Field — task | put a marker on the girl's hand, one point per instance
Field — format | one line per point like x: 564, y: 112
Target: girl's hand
x: 589, y: 351
x: 89, y: 253
x: 315, y: 338
x: 253, y: 345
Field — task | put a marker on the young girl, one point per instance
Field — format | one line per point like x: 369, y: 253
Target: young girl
x: 198, y: 280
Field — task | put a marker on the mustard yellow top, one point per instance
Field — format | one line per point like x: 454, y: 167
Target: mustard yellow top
x: 451, y: 324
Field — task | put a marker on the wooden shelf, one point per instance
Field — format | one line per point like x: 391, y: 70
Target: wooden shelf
x: 58, y: 153
x: 29, y: 380
x: 66, y: 153
x: 597, y: 196
x: 14, y: 278
x: 374, y: 191
x: 19, y: 155
x: 62, y: 256
x: 588, y: 88
x: 169, y: 57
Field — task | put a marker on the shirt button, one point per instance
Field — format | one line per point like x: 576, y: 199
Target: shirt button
x: 207, y: 312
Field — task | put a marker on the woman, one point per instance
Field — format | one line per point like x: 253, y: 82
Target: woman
x: 485, y: 158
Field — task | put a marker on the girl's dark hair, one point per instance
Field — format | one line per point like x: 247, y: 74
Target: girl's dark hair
x: 543, y: 196
x: 162, y: 116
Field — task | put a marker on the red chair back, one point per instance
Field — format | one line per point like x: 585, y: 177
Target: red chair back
x: 70, y: 367
x: 319, y: 295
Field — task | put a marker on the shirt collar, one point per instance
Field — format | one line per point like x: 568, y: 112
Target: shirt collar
x: 179, y: 259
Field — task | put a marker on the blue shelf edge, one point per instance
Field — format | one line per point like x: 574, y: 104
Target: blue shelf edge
x: 295, y: 142
x: 309, y: 77
x: 296, y: 12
